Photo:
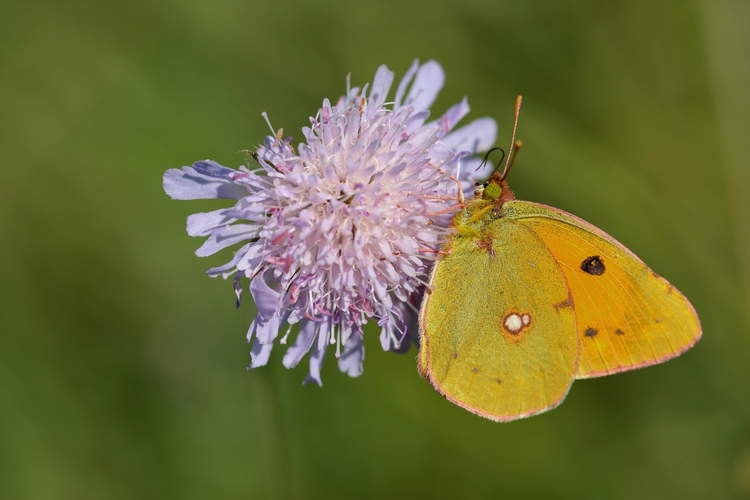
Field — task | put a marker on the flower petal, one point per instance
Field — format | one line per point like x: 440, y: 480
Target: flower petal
x: 318, y: 354
x: 454, y: 114
x: 212, y: 169
x: 351, y: 359
x: 268, y: 328
x: 430, y: 79
x: 270, y: 310
x: 188, y: 184
x: 302, y: 344
x: 225, y: 237
x: 259, y: 354
x: 216, y: 271
x: 380, y: 86
x: 405, y: 81
x: 478, y: 135
x: 201, y: 224
x: 266, y: 298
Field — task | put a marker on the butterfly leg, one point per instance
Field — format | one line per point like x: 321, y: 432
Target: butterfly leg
x: 460, y: 195
x: 431, y: 250
x: 446, y: 210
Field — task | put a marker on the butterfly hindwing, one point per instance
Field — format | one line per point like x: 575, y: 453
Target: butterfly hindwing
x: 627, y: 316
x: 498, y: 336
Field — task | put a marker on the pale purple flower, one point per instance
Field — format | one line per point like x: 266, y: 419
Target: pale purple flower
x: 345, y: 228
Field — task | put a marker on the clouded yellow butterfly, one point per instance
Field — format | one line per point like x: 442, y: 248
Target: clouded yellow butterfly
x: 528, y: 298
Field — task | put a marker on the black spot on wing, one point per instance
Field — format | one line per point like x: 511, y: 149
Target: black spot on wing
x: 619, y: 332
x: 593, y: 265
x: 591, y: 332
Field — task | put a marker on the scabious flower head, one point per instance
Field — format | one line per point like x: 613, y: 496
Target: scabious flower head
x: 343, y: 229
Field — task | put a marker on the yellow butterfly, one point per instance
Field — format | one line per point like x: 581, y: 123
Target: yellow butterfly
x: 528, y: 298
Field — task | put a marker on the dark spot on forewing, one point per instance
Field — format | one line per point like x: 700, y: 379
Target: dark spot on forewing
x: 454, y: 355
x: 591, y: 332
x: 475, y: 369
x: 619, y: 332
x: 498, y: 381
x: 593, y: 265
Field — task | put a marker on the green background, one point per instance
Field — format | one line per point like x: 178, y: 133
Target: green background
x: 122, y: 366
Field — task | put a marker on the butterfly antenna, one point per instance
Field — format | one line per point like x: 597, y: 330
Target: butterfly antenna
x: 514, y: 146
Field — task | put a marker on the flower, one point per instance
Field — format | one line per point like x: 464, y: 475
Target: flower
x: 345, y: 228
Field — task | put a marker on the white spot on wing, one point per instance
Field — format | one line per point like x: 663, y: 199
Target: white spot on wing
x: 513, y: 323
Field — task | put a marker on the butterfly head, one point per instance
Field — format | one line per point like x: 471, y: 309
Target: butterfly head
x: 495, y: 189
x: 492, y: 189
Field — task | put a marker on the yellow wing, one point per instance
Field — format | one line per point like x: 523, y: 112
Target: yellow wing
x: 496, y: 337
x: 627, y: 316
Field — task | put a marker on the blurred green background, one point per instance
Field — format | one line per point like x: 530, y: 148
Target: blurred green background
x: 122, y: 366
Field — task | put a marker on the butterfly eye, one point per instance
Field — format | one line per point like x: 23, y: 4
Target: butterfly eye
x: 492, y: 191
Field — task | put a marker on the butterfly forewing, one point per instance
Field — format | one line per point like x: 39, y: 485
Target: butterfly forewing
x: 627, y: 316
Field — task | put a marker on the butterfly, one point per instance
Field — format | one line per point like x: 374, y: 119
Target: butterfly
x: 528, y: 298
